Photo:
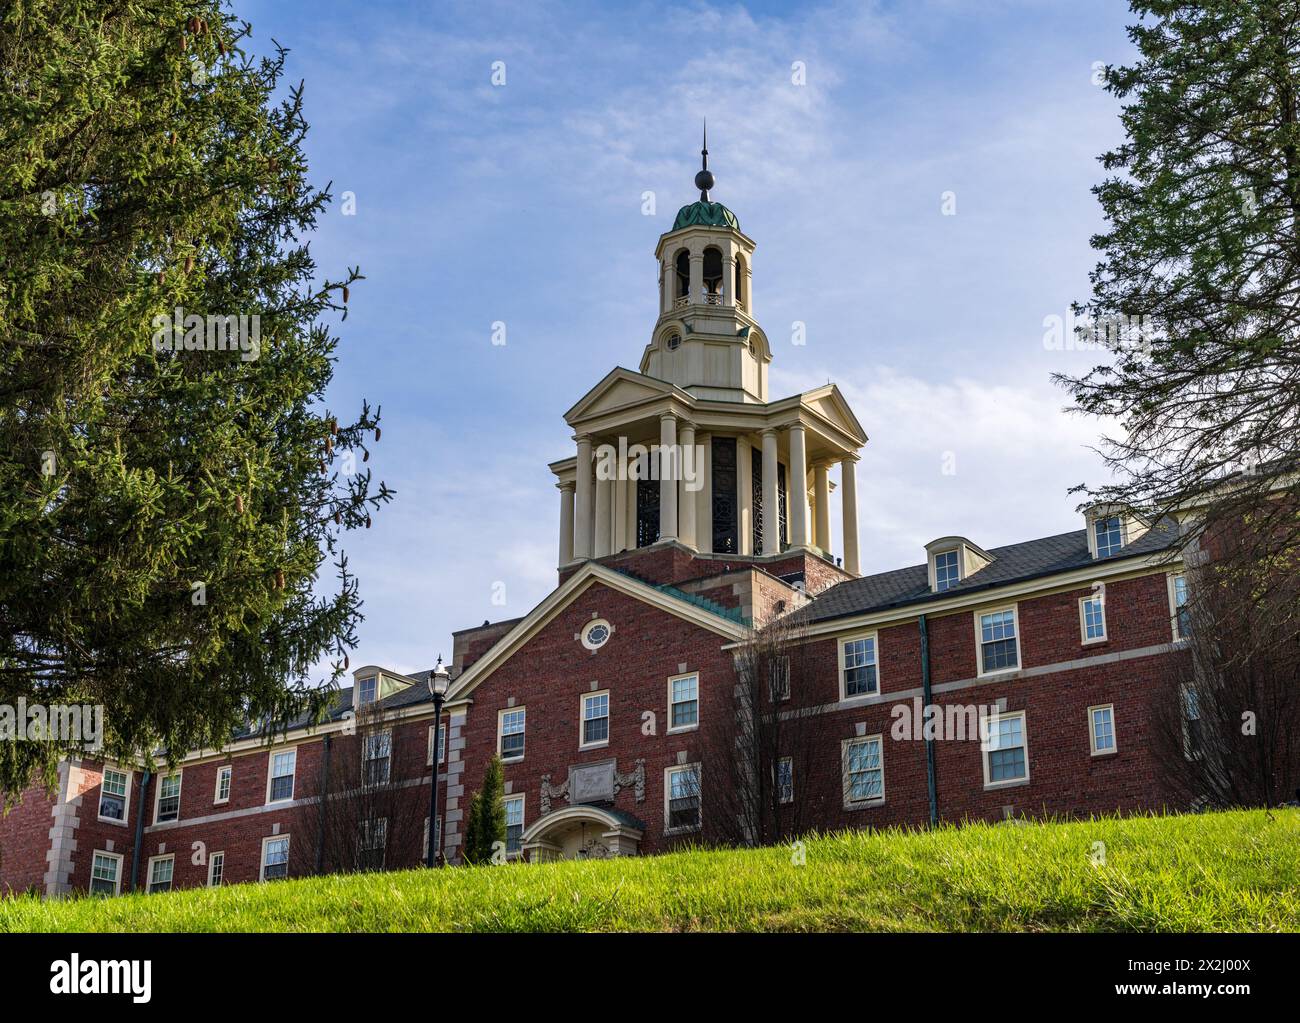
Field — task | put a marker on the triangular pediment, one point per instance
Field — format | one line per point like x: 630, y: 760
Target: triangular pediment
x: 829, y: 403
x: 621, y: 389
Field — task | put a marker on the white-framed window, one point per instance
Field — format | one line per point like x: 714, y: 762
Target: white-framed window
x: 437, y: 839
x: 859, y: 673
x: 167, y: 802
x: 367, y: 690
x: 224, y: 775
x: 1191, y: 723
x: 1006, y: 754
x: 947, y: 570
x: 114, y: 795
x: 863, y: 764
x: 785, y: 779
x: 1092, y: 618
x: 1109, y: 535
x: 510, y: 733
x: 442, y: 745
x: 1101, y: 729
x: 279, y: 777
x: 682, y: 798
x: 514, y: 825
x: 106, y: 873
x: 595, y: 720
x: 161, y: 869
x: 377, y: 761
x: 373, y: 843
x: 998, y: 635
x: 275, y: 857
x: 595, y: 634
x: 1179, y: 613
x: 683, y: 702
x: 778, y: 681
x: 216, y: 869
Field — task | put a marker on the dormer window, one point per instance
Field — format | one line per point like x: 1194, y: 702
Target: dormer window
x: 1109, y: 534
x: 366, y: 690
x: 1111, y: 527
x: 952, y: 559
x: 947, y: 570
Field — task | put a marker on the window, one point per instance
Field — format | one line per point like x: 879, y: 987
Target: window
x: 1101, y: 729
x: 113, y: 795
x: 514, y: 825
x: 279, y: 786
x: 1191, y: 723
x: 779, y: 679
x: 223, y: 784
x: 858, y: 675
x: 682, y: 798
x: 442, y: 745
x: 683, y: 703
x: 437, y: 839
x: 1092, y: 618
x: 376, y: 766
x: 106, y: 874
x: 216, y: 869
x: 275, y: 857
x: 1178, y: 609
x: 372, y: 844
x: 596, y: 633
x: 160, y: 873
x: 169, y: 799
x: 1109, y: 534
x: 367, y: 690
x: 1006, y: 754
x: 999, y: 647
x: 864, y: 771
x: 674, y: 342
x: 595, y: 719
x: 785, y: 779
x: 947, y: 571
x: 510, y: 731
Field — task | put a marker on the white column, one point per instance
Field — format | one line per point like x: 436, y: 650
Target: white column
x: 745, y: 502
x: 822, y: 498
x: 704, y: 502
x: 686, y: 513
x: 798, y: 488
x: 566, y: 522
x: 604, y: 516
x: 668, y: 474
x: 620, y: 515
x: 696, y: 292
x: 771, y: 500
x: 849, y: 495
x: 585, y: 498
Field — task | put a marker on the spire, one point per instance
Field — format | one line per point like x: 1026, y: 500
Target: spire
x: 704, y: 179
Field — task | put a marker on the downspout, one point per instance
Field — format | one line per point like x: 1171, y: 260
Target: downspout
x: 139, y: 829
x: 324, y: 793
x: 929, y: 738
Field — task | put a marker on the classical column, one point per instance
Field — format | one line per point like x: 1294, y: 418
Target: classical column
x: 704, y: 498
x: 686, y: 513
x: 696, y: 293
x: 798, y: 488
x: 620, y: 515
x: 745, y: 496
x: 822, y: 498
x: 604, y: 516
x: 585, y: 499
x: 566, y: 521
x: 668, y: 473
x: 771, y: 499
x: 849, y: 495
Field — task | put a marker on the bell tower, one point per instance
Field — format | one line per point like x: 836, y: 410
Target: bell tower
x: 706, y: 340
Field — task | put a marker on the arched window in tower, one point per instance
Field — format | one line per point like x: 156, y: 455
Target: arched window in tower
x: 713, y: 275
x: 741, y: 297
x: 683, y: 264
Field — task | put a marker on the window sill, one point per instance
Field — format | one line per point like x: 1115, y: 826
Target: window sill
x: 1095, y: 642
x: 512, y: 760
x: 682, y: 831
x: 111, y: 820
x: 1000, y: 673
x: 1104, y: 752
x: 586, y: 747
x: 1014, y: 784
x: 866, y: 804
x: 683, y: 728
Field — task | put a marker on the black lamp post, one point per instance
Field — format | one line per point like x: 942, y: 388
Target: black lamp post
x: 439, y: 681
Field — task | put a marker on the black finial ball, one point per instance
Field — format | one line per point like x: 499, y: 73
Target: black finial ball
x: 704, y: 180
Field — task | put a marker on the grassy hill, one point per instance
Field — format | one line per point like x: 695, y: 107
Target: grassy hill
x: 1235, y: 871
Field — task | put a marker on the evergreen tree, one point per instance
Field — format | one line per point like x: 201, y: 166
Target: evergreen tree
x: 486, y: 824
x: 167, y: 504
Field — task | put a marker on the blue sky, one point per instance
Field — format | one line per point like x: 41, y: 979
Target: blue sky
x: 522, y: 203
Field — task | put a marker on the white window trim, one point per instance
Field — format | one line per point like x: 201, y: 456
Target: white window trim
x: 860, y: 804
x: 501, y: 716
x: 261, y: 870
x: 841, y: 643
x: 979, y: 641
x: 699, y: 690
x: 179, y: 774
x: 1092, y: 733
x: 366, y: 758
x: 356, y: 702
x: 523, y: 822
x: 148, y: 872
x: 790, y: 760
x: 588, y: 626
x: 428, y: 762
x: 211, y: 857
x: 270, y: 775
x: 1173, y: 604
x: 582, y: 719
x: 1083, y: 622
x: 993, y: 720
x: 424, y: 846
x: 126, y: 799
x: 934, y: 569
x: 228, y: 769
x: 699, y: 781
x: 117, y: 884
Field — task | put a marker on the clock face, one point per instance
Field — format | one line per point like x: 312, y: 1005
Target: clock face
x: 596, y: 634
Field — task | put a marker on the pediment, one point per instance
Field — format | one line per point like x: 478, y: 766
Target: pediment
x: 622, y: 388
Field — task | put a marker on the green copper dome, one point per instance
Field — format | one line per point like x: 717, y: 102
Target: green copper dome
x: 705, y: 214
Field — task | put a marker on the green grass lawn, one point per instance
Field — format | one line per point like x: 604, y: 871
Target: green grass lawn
x: 1235, y: 871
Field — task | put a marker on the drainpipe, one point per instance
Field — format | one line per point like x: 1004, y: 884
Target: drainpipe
x: 139, y: 829
x: 929, y: 741
x: 324, y: 794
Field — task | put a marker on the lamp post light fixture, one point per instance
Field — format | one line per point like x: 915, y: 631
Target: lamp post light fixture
x: 439, y: 682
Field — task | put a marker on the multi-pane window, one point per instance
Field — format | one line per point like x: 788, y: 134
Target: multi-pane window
x: 437, y: 838
x: 858, y: 666
x: 112, y: 795
x: 105, y: 874
x: 216, y: 869
x: 512, y: 734
x: 282, y: 768
x: 442, y: 743
x: 1092, y: 610
x: 999, y: 648
x: 373, y: 843
x: 1191, y: 723
x: 223, y: 784
x: 684, y: 798
x: 160, y: 874
x: 595, y: 719
x: 1005, y: 757
x: 1101, y: 722
x: 947, y: 571
x: 514, y: 824
x: 275, y: 858
x: 1109, y: 534
x: 684, y: 702
x: 169, y: 798
x: 779, y: 679
x: 864, y: 773
x: 785, y: 779
x: 376, y: 766
x: 367, y: 689
x: 1182, y: 614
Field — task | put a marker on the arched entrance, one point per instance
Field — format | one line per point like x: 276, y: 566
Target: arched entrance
x: 582, y: 832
